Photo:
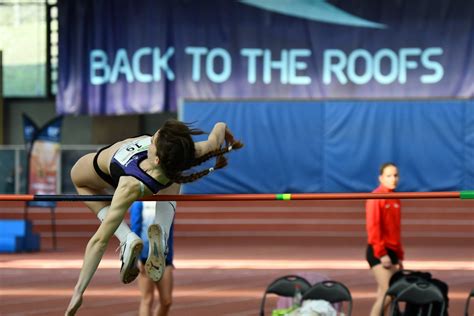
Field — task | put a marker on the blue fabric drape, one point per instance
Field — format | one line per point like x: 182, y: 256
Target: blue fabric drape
x: 338, y: 146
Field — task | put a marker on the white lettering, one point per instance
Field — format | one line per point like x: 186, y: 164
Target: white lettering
x: 226, y: 65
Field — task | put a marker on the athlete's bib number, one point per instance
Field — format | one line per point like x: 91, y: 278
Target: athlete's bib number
x: 126, y: 152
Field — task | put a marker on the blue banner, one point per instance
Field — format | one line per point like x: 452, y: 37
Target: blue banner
x: 43, y: 148
x: 123, y: 56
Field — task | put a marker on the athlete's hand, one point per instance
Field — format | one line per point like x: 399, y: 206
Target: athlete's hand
x: 229, y: 138
x: 386, y: 262
x: 230, y: 141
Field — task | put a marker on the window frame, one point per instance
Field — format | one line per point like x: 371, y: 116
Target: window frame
x: 49, y: 95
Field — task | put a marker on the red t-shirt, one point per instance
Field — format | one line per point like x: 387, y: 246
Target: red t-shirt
x: 383, y: 223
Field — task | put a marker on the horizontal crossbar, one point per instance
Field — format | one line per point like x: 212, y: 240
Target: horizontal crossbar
x: 249, y: 197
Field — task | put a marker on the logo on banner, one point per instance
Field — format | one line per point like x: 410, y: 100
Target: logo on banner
x: 316, y: 10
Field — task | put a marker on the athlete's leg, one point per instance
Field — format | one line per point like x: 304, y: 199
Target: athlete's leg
x: 88, y: 182
x: 165, y: 290
x: 158, y: 234
x: 165, y: 210
x: 382, y: 276
x: 94, y: 252
x: 164, y: 216
x: 147, y: 289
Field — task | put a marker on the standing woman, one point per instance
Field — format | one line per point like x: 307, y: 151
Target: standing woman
x: 384, y: 250
x: 142, y: 216
x: 133, y: 168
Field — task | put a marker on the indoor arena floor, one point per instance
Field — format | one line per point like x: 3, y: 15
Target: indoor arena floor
x: 213, y: 276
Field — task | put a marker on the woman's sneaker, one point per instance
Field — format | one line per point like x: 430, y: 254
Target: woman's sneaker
x: 155, y: 264
x: 129, y: 252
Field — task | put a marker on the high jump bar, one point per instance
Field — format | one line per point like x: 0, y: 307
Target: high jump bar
x: 469, y: 194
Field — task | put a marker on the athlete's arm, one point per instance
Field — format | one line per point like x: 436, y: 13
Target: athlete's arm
x: 128, y: 190
x: 214, y: 141
x: 374, y: 227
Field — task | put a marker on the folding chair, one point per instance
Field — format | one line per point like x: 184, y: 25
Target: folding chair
x: 420, y: 293
x: 331, y: 291
x: 466, y: 309
x: 398, y: 283
x: 284, y: 286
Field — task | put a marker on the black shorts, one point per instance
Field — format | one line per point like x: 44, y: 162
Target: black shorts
x: 373, y: 261
x: 99, y: 172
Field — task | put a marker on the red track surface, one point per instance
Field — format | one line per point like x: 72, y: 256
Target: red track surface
x: 242, y: 248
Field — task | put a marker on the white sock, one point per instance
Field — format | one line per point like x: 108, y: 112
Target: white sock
x: 164, y: 215
x: 122, y: 231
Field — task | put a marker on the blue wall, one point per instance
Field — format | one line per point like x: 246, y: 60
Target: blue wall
x: 338, y: 146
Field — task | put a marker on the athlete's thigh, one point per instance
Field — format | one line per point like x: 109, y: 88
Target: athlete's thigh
x: 84, y: 175
x: 383, y: 275
x: 165, y: 286
x: 146, y: 285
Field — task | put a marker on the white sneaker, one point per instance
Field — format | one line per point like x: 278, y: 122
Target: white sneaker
x: 155, y: 264
x: 129, y: 252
